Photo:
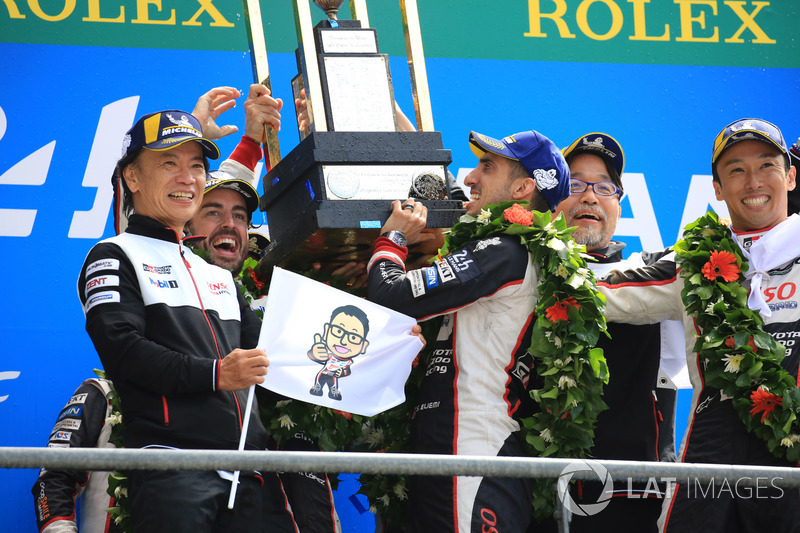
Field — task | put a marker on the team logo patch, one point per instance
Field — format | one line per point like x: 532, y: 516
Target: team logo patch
x: 105, y: 297
x: 485, y: 243
x: 74, y: 411
x: 417, y: 279
x: 431, y: 279
x: 464, y: 265
x: 166, y: 284
x: 181, y: 120
x: 166, y: 269
x: 77, y: 399
x: 102, y: 264
x: 101, y: 281
x: 61, y: 435
x: 218, y: 289
x: 68, y: 423
x: 445, y: 271
x: 545, y: 179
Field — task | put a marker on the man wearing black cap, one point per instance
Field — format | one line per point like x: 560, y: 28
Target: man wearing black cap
x: 475, y: 389
x: 173, y: 333
x: 639, y: 422
x: 224, y: 218
x: 734, y: 421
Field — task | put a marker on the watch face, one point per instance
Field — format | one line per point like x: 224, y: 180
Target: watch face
x: 396, y: 237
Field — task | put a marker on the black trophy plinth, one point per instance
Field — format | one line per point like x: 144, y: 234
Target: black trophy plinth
x: 314, y: 198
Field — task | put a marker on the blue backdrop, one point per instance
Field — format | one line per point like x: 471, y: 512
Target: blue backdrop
x: 63, y: 110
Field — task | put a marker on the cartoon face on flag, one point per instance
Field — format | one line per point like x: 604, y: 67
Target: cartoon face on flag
x: 343, y: 338
x: 315, y: 335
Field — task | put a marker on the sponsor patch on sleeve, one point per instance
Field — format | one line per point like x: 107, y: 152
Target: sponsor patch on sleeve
x: 102, y: 264
x: 431, y: 277
x: 105, y: 297
x: 445, y: 271
x: 68, y: 423
x: 101, y: 282
x: 77, y: 399
x: 417, y: 279
x: 463, y: 265
x: 61, y: 435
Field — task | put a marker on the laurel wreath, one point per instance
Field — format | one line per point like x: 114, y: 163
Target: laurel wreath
x: 569, y: 320
x: 739, y: 357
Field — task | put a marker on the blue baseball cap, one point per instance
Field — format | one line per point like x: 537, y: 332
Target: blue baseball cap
x: 165, y: 130
x: 538, y: 155
x: 748, y: 129
x: 602, y: 145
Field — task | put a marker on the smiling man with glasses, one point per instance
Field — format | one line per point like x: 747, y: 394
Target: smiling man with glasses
x: 639, y: 424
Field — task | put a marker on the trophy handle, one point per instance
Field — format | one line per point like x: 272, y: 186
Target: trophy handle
x: 258, y: 57
x: 358, y: 10
x: 416, y: 65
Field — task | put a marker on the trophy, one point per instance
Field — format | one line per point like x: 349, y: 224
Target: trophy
x: 327, y: 199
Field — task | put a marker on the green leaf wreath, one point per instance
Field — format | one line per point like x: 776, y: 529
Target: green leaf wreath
x: 739, y: 357
x: 569, y: 320
x: 117, y: 481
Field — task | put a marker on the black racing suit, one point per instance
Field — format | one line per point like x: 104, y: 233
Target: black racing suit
x: 639, y: 422
x: 475, y: 388
x: 715, y: 434
x: 161, y: 320
x: 80, y: 424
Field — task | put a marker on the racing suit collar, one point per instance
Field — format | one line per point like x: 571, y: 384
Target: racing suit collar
x: 610, y: 254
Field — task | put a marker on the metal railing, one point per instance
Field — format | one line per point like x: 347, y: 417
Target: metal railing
x: 375, y: 463
x: 385, y: 463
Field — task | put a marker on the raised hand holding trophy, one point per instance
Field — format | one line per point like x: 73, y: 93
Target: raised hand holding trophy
x: 327, y: 199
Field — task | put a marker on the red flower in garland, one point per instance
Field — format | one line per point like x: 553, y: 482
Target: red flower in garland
x: 730, y: 343
x: 721, y: 264
x: 345, y: 414
x: 516, y: 214
x: 764, y: 401
x: 256, y: 278
x: 558, y: 311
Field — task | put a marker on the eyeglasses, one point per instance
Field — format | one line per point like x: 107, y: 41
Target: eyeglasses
x: 339, y: 333
x: 601, y: 188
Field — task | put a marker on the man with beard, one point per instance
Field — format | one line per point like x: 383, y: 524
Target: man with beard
x: 639, y: 424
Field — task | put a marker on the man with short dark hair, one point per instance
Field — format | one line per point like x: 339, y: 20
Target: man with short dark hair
x: 751, y: 174
x: 794, y: 196
x: 476, y: 387
x: 639, y: 422
x: 174, y: 334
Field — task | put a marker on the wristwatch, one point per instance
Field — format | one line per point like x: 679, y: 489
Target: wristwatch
x: 396, y: 237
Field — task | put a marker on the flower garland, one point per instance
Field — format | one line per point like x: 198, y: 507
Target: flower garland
x: 740, y: 358
x: 570, y: 318
x: 120, y: 513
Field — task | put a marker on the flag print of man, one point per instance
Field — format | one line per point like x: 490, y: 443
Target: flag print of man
x: 343, y: 339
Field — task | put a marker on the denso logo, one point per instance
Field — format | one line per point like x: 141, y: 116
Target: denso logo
x: 218, y: 288
x: 168, y: 284
x: 166, y: 269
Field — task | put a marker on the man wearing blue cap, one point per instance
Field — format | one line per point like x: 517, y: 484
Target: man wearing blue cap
x: 639, y: 422
x: 173, y: 333
x: 475, y: 389
x: 743, y: 384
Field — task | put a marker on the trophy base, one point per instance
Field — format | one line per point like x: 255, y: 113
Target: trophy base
x: 335, y: 234
x: 314, y: 197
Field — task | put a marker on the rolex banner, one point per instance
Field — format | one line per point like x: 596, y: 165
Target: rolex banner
x: 331, y: 348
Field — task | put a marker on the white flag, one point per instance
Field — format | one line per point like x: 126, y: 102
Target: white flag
x: 331, y: 348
